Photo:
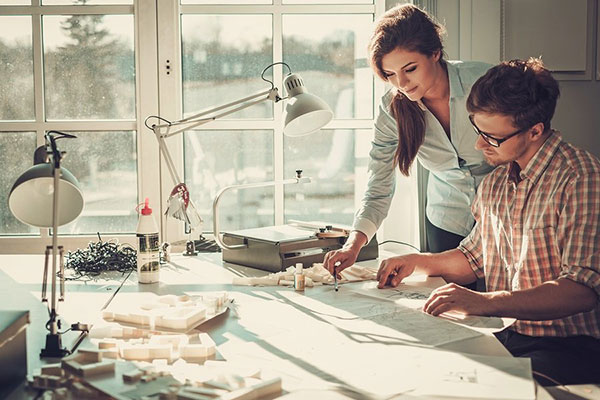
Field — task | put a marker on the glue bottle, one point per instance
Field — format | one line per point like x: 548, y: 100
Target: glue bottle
x: 148, y: 257
x: 299, y: 279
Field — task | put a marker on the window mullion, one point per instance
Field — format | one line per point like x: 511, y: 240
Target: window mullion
x: 38, y: 79
x: 147, y: 100
x: 38, y: 86
x: 278, y: 117
x: 170, y: 104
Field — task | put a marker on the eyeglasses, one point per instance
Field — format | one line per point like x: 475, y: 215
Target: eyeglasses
x: 492, y: 141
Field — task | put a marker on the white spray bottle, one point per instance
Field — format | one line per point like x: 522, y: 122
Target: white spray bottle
x: 148, y: 257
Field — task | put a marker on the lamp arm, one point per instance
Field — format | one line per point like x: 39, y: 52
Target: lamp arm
x: 216, y: 231
x: 228, y: 105
x: 196, y: 120
x: 167, y: 156
x: 163, y: 131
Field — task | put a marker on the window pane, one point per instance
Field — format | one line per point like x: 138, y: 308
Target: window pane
x: 223, y: 57
x: 16, y: 156
x: 331, y: 57
x: 327, y: 1
x: 337, y: 165
x: 15, y: 2
x: 16, y: 69
x: 85, y: 2
x: 105, y: 165
x: 226, y: 2
x: 89, y: 67
x: 215, y: 159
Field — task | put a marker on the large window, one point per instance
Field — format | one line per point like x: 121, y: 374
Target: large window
x: 72, y: 69
x: 89, y: 68
x: 98, y: 68
x: 223, y: 54
x: 332, y: 59
x: 16, y: 73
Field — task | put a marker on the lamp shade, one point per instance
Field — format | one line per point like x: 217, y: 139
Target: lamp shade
x: 304, y: 113
x: 31, y: 197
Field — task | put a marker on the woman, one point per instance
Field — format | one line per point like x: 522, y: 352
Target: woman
x: 422, y: 117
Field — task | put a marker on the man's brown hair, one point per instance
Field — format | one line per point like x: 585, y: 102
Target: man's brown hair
x: 523, y: 90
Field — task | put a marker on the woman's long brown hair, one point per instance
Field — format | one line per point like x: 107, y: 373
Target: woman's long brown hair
x: 409, y: 28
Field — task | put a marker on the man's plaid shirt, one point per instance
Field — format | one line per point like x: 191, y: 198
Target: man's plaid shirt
x: 540, y: 224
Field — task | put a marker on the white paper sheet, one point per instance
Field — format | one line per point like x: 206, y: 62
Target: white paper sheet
x: 383, y: 371
x: 414, y: 296
x: 369, y: 318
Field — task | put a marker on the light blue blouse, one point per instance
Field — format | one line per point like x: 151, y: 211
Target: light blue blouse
x: 455, y: 167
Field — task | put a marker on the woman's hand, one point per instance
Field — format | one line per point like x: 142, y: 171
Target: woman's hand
x: 341, y: 259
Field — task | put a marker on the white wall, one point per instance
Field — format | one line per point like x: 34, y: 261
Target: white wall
x: 565, y: 34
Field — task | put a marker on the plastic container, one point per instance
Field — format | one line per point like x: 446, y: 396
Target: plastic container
x: 148, y: 256
x: 299, y: 279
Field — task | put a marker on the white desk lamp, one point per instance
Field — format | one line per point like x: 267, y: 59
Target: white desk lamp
x: 34, y: 200
x: 305, y: 113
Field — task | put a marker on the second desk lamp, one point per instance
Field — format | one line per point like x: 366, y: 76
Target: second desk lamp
x: 305, y: 113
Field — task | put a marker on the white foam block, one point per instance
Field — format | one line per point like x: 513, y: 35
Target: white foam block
x: 242, y: 281
x: 193, y: 350
x: 89, y: 355
x: 108, y: 315
x: 175, y: 340
x: 169, y: 299
x: 132, y: 376
x: 161, y: 351
x: 266, y: 280
x: 139, y: 352
x: 153, y: 305
x: 110, y: 353
x: 52, y: 369
x: 107, y: 344
x: 101, y: 367
x: 207, y: 341
x: 184, y: 318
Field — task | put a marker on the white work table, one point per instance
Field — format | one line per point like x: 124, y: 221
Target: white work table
x: 287, y: 331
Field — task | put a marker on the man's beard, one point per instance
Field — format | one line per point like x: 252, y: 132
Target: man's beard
x: 496, y: 160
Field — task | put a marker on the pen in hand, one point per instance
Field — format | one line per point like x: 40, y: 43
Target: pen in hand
x: 335, y: 280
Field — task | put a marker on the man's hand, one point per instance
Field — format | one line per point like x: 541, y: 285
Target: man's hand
x: 394, y: 269
x: 453, y: 297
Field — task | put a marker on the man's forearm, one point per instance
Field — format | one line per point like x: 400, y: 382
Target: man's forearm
x: 551, y: 300
x: 452, y: 265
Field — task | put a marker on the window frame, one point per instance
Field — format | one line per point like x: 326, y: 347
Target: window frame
x: 145, y: 65
x: 171, y: 87
x: 157, y: 38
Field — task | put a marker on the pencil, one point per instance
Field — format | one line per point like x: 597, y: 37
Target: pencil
x: 335, y: 281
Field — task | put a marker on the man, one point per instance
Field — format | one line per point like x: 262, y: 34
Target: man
x: 537, y: 234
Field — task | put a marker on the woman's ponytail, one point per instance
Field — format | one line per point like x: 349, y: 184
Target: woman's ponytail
x: 410, y: 120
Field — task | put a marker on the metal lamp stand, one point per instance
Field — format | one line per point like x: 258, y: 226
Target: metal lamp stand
x: 53, y: 339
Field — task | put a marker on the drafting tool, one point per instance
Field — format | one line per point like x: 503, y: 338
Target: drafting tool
x: 335, y: 280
